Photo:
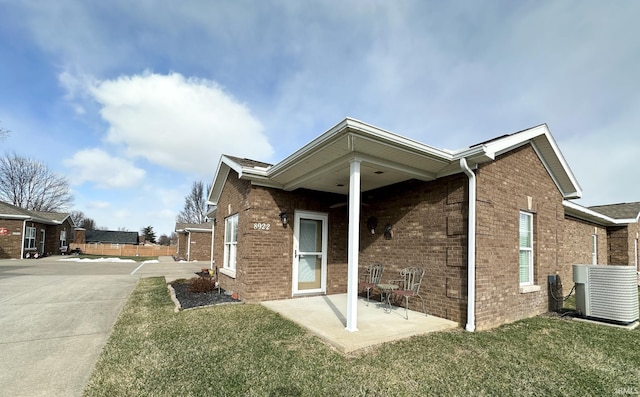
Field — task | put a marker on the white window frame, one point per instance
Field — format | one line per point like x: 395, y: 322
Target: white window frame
x: 230, y: 245
x: 526, y: 249
x: 594, y: 249
x: 30, y: 238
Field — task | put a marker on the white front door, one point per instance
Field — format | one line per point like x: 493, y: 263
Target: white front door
x: 309, y: 253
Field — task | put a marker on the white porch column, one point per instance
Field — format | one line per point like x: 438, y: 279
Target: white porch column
x: 354, y: 245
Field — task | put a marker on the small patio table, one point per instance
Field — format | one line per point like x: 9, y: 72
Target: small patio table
x: 385, y: 291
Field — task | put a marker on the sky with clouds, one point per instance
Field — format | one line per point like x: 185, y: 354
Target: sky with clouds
x: 133, y: 101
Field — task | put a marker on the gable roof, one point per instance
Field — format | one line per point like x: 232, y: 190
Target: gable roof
x: 620, y: 211
x: 385, y: 159
x: 111, y: 236
x: 10, y: 211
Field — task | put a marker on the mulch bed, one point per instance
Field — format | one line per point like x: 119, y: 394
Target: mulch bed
x: 190, y: 300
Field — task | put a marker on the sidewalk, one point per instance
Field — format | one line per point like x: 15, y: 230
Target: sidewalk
x: 56, y: 316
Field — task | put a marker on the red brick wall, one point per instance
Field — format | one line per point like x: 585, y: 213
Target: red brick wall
x: 634, y: 234
x: 264, y: 257
x: 429, y: 221
x: 619, y: 249
x: 505, y: 187
x: 575, y: 245
x: 181, y: 249
x: 11, y: 243
x: 200, y: 247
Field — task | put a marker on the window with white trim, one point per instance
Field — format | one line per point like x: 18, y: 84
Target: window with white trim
x: 30, y: 238
x: 63, y: 238
x: 594, y: 249
x: 526, y: 248
x: 230, y: 242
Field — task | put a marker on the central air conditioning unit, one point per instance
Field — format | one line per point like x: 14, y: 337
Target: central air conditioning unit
x: 607, y: 293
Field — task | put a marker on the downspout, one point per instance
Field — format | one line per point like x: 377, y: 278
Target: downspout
x: 471, y: 250
x: 213, y: 233
x: 24, y: 230
x: 188, y: 246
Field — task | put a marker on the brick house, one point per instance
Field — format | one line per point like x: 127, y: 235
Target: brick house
x: 194, y: 241
x: 25, y: 233
x: 488, y: 223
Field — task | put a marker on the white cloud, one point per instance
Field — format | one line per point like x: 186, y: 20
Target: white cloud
x: 176, y: 122
x: 97, y: 166
x: 101, y: 205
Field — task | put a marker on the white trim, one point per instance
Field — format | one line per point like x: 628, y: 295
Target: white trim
x: 228, y: 272
x: 529, y: 216
x: 354, y: 245
x: 587, y: 214
x: 188, y: 246
x: 324, y: 218
x: 471, y: 248
x: 228, y: 251
x: 594, y: 249
x: 213, y: 232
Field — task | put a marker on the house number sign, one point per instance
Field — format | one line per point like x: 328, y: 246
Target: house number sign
x: 261, y: 226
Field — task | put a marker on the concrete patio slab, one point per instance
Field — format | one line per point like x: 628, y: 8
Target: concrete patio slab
x: 325, y: 317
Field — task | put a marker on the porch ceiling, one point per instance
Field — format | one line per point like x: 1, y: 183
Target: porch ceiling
x: 382, y: 164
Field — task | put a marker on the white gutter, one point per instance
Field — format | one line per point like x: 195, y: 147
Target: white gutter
x: 471, y: 250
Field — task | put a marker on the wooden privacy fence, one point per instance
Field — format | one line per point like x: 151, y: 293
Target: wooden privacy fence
x: 125, y: 249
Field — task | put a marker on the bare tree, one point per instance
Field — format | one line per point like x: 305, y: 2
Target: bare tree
x: 77, y: 217
x: 88, y: 224
x: 29, y: 184
x: 195, y: 205
x: 164, y: 240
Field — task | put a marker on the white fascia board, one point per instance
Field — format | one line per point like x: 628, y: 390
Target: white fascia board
x: 396, y: 140
x: 11, y: 216
x: 293, y: 159
x: 222, y: 172
x: 212, y: 211
x: 195, y: 229
x: 577, y: 193
x: 585, y: 213
x: 361, y: 130
x: 519, y: 139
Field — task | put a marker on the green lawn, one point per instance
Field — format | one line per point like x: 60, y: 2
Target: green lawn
x: 247, y: 350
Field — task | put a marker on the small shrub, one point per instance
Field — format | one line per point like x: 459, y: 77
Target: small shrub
x: 201, y: 284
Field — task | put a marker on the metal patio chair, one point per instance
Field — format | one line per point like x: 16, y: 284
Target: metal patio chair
x: 373, y: 275
x: 409, y: 287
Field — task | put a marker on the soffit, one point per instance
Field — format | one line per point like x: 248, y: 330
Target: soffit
x: 383, y: 162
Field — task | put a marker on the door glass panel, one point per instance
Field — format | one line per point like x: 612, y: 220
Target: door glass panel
x: 310, y: 254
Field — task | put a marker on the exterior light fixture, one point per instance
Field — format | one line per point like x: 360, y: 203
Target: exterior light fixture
x: 284, y: 218
x: 372, y: 223
x: 388, y: 231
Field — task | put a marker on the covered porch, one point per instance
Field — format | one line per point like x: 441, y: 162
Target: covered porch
x: 326, y: 317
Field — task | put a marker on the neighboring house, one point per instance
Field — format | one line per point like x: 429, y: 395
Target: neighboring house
x: 25, y: 233
x: 615, y: 233
x: 489, y: 223
x: 194, y: 241
x: 112, y: 238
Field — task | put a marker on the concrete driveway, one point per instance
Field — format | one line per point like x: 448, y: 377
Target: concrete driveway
x: 56, y: 316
